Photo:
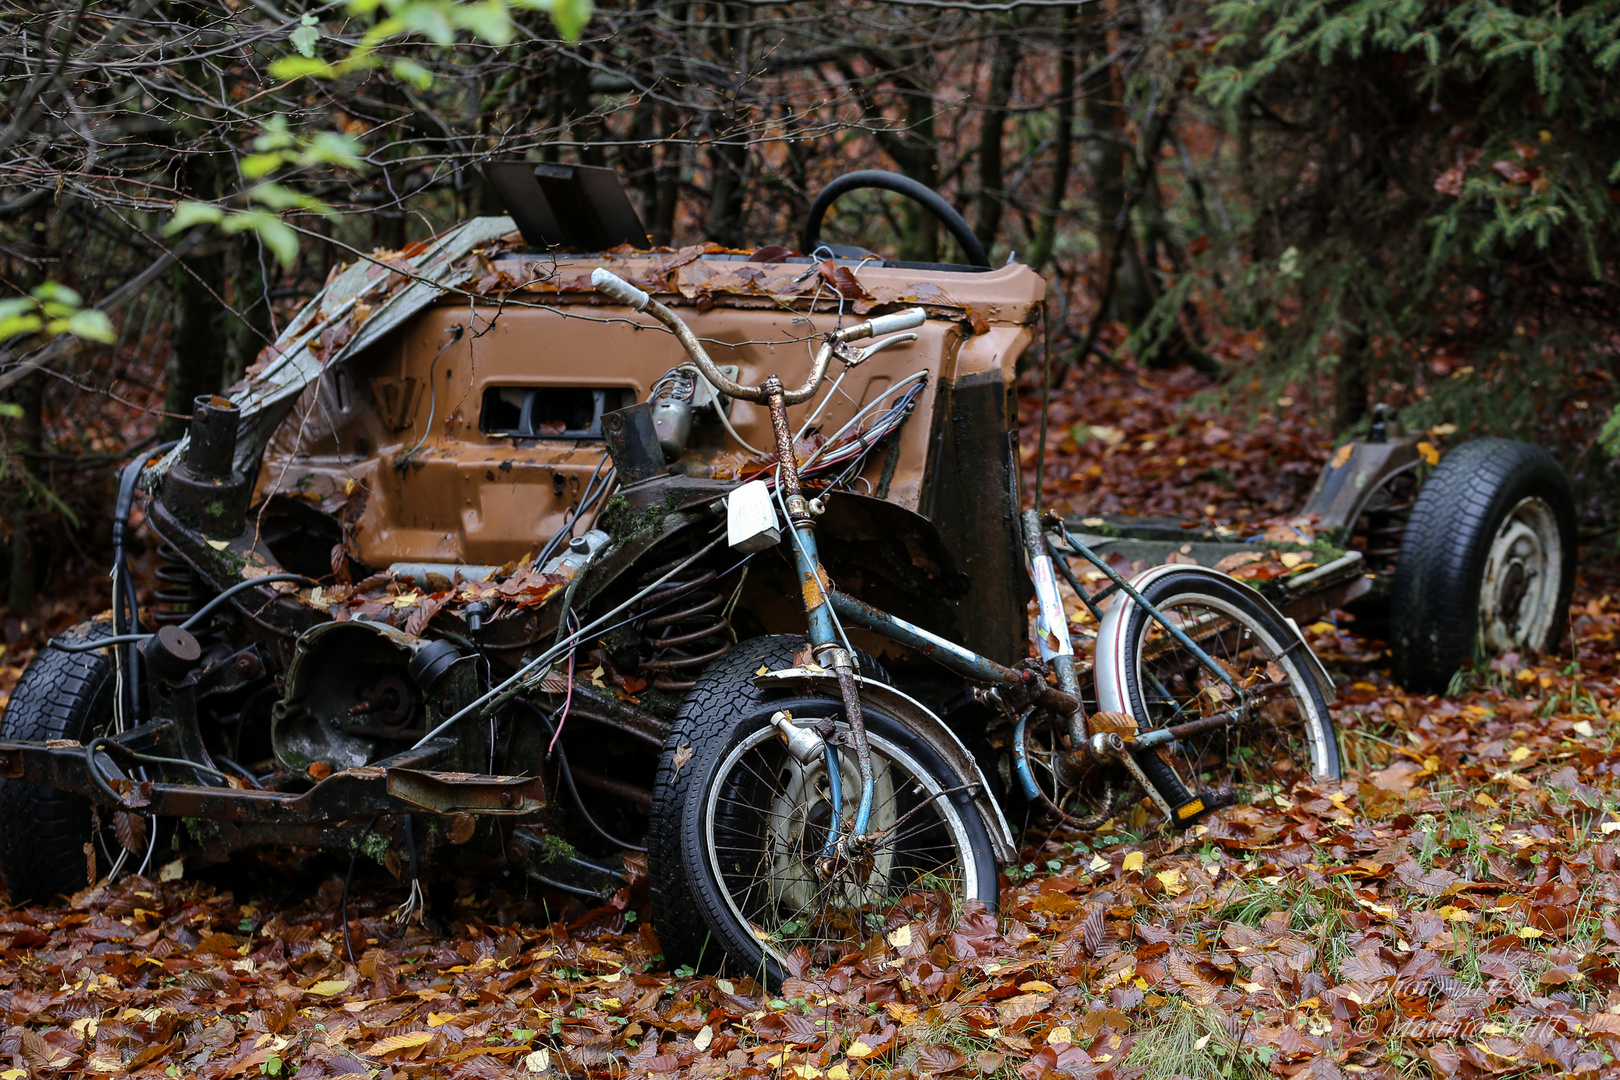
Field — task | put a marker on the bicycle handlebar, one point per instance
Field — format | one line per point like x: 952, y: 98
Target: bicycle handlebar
x: 625, y: 293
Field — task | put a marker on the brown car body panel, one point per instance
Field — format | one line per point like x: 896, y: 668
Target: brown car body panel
x: 401, y: 421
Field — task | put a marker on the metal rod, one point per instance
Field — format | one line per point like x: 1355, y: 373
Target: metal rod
x: 1076, y: 547
x: 629, y: 792
x: 964, y: 662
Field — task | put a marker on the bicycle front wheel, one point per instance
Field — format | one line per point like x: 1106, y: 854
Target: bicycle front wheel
x: 752, y: 844
x: 1280, y: 732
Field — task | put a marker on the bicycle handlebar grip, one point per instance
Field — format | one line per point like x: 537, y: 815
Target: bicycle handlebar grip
x: 909, y: 319
x: 617, y: 288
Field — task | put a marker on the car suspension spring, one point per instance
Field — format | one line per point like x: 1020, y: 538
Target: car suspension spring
x: 1382, y: 528
x: 177, y: 593
x: 1383, y: 533
x: 686, y: 630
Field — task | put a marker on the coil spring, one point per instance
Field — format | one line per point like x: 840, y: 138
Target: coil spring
x: 684, y: 635
x: 1381, y: 530
x: 175, y: 597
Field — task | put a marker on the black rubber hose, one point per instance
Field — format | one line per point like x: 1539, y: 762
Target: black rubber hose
x: 914, y: 190
x: 126, y: 609
x: 206, y: 610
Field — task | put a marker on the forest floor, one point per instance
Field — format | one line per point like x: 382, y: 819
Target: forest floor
x: 1449, y: 908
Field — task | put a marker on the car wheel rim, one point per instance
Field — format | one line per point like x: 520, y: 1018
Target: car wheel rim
x: 1518, y: 595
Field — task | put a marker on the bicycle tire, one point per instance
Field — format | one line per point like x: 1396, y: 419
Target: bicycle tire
x: 1142, y: 670
x: 697, y: 913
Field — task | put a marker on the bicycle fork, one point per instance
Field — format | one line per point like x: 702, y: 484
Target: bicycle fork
x: 825, y: 642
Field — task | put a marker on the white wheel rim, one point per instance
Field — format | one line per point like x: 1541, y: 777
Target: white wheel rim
x: 789, y: 812
x: 1518, y: 594
x: 1313, y: 728
x: 1279, y: 656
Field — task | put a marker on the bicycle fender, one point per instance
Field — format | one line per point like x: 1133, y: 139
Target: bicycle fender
x: 919, y: 719
x: 1109, y: 669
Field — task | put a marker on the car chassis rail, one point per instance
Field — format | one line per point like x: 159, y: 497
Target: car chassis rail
x: 403, y: 784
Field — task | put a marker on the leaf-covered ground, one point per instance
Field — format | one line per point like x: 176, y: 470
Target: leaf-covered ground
x: 1448, y: 909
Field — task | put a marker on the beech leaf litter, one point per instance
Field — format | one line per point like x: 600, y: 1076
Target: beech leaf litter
x: 1451, y: 908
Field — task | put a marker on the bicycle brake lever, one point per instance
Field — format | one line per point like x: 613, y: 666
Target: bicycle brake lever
x: 879, y: 345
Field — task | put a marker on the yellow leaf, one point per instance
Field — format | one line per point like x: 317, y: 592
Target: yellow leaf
x: 219, y: 545
x: 1036, y: 986
x: 613, y: 978
x: 1342, y: 455
x: 807, y: 1072
x: 607, y: 1004
x: 838, y: 1072
x: 1429, y: 452
x: 1248, y: 987
x: 704, y: 1038
x: 1060, y: 1035
x: 1171, y: 880
x: 1485, y: 800
x: 1322, y: 628
x: 858, y: 1049
x: 172, y: 871
x: 1519, y: 755
x: 1134, y: 861
x: 1453, y: 913
x: 1584, y: 729
x: 1529, y: 932
x: 537, y: 1062
x: 900, y: 936
x: 1291, y: 559
x: 1097, y: 865
x: 762, y: 670
x: 409, y: 599
x: 397, y: 1042
x: 439, y: 1019
x: 1609, y: 828
x: 725, y: 986
x: 902, y: 1013
x: 329, y: 987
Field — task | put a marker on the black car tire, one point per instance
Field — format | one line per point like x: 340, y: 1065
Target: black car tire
x: 1491, y: 526
x: 43, y: 831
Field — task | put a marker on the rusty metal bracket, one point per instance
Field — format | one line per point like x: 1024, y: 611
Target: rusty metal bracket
x: 466, y: 793
x: 343, y: 796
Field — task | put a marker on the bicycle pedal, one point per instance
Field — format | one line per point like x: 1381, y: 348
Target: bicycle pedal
x: 1202, y: 805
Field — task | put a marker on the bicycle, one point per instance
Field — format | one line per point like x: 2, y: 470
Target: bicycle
x: 811, y: 804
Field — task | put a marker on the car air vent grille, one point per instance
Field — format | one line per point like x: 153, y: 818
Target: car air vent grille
x: 549, y: 412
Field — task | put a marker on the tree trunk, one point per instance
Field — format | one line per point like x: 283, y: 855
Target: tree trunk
x: 1126, y: 280
x: 252, y: 328
x: 918, y: 158
x: 661, y: 229
x: 728, y: 184
x: 1351, y: 384
x: 992, y: 198
x: 196, y: 342
x: 23, y: 582
x: 1040, y: 248
x: 728, y: 156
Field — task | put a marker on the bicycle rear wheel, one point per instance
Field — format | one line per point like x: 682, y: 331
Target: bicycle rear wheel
x: 1284, y: 736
